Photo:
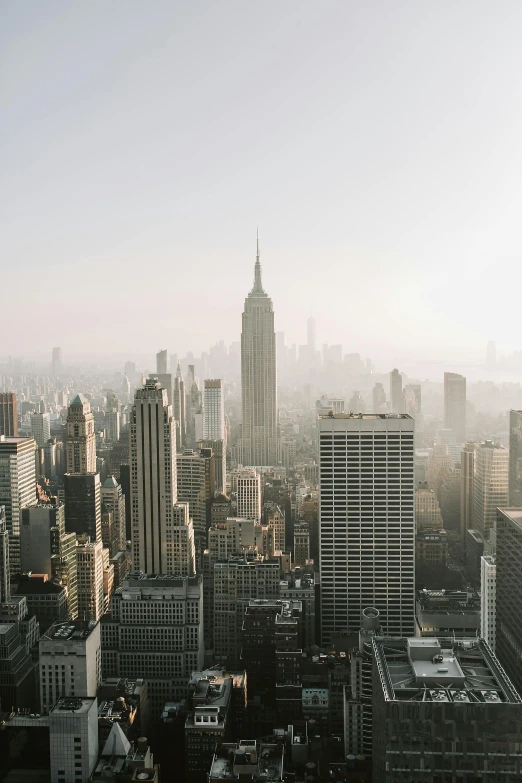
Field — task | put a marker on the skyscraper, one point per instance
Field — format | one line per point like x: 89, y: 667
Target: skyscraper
x: 82, y: 492
x: 508, y: 645
x: 378, y: 399
x: 56, y: 364
x: 41, y: 428
x: 249, y: 495
x: 8, y: 415
x: 214, y: 431
x: 161, y: 362
x: 413, y: 399
x: 490, y: 487
x: 80, y: 437
x: 179, y: 408
x: 5, y: 575
x: 367, y: 521
x: 112, y: 417
x: 467, y: 479
x: 154, y: 512
x: 515, y: 459
x: 455, y: 405
x: 17, y: 487
x: 259, y: 441
x: 396, y: 397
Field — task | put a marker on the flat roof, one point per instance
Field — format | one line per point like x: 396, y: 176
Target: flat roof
x: 71, y: 630
x: 514, y: 514
x: 365, y: 416
x: 73, y: 704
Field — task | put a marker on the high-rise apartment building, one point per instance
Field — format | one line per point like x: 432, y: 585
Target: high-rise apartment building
x: 467, y: 480
x: 17, y: 487
x: 155, y: 627
x: 508, y: 625
x: 155, y: 513
x: 82, y: 493
x: 69, y: 661
x: 249, y: 495
x: 367, y: 521
x: 396, y: 395
x: 46, y: 548
x: 455, y: 404
x: 490, y: 487
x: 259, y: 441
x: 8, y: 415
x: 80, y: 437
x: 41, y: 428
x: 488, y: 599
x: 515, y: 458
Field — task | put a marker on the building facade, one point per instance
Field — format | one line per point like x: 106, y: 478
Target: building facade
x: 8, y: 415
x: 367, y: 521
x: 490, y: 486
x: 488, y: 599
x: 80, y: 437
x: 515, y: 459
x: 455, y: 405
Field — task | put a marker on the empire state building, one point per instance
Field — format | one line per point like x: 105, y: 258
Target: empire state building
x: 258, y: 377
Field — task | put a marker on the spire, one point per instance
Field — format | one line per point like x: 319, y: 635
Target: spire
x: 258, y: 286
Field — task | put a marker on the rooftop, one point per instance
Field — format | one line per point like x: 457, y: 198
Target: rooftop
x: 364, y: 416
x: 72, y: 630
x: 443, y: 670
x: 72, y: 704
x: 514, y: 514
x: 258, y: 759
x: 80, y: 400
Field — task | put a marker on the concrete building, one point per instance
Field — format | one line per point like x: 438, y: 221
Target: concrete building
x: 196, y: 485
x: 17, y: 487
x: 249, y: 495
x: 161, y: 362
x: 46, y: 600
x: 91, y: 567
x: 46, y: 548
x: 455, y: 405
x: 378, y: 399
x: 490, y: 487
x: 431, y: 547
x: 413, y: 399
x: 515, y: 459
x: 80, y: 437
x: 8, y: 415
x: 16, y: 667
x: 82, y: 494
x: 299, y: 585
x: 439, y: 706
x: 427, y: 510
x: 69, y: 661
x: 155, y: 631
x: 73, y: 735
x: 5, y: 573
x: 41, y: 428
x: 367, y: 521
x: 488, y: 599
x: 274, y: 518
x: 447, y: 613
x: 237, y: 582
x: 508, y: 624
x: 396, y: 395
x: 114, y: 500
x: 301, y: 544
x: 154, y: 510
x: 179, y: 409
x: 214, y: 410
x: 259, y: 440
x: 112, y: 418
x: 467, y: 479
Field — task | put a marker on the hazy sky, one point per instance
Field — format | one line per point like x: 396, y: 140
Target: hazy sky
x: 376, y: 144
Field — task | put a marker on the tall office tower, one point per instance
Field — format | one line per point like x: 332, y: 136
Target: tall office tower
x: 490, y: 488
x: 413, y: 399
x: 259, y: 441
x: 46, y: 548
x: 8, y: 415
x: 90, y: 563
x: 156, y: 516
x: 80, y: 437
x: 69, y: 661
x: 249, y: 495
x: 179, y: 408
x: 112, y: 418
x: 5, y: 574
x: 41, y: 428
x: 378, y: 399
x: 56, y: 361
x: 17, y: 487
x: 488, y: 599
x: 161, y: 362
x: 421, y: 688
x: 214, y: 430
x: 508, y: 626
x: 301, y: 544
x: 155, y: 627
x: 196, y: 485
x: 427, y: 511
x: 236, y: 582
x: 396, y: 396
x: 310, y: 336
x: 114, y: 500
x: 515, y: 458
x: 491, y: 355
x: 467, y: 480
x: 82, y: 494
x: 366, y: 521
x: 219, y: 456
x: 455, y: 405
x: 275, y: 518
x: 73, y: 739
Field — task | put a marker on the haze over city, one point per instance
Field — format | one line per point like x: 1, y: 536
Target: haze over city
x: 375, y: 145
